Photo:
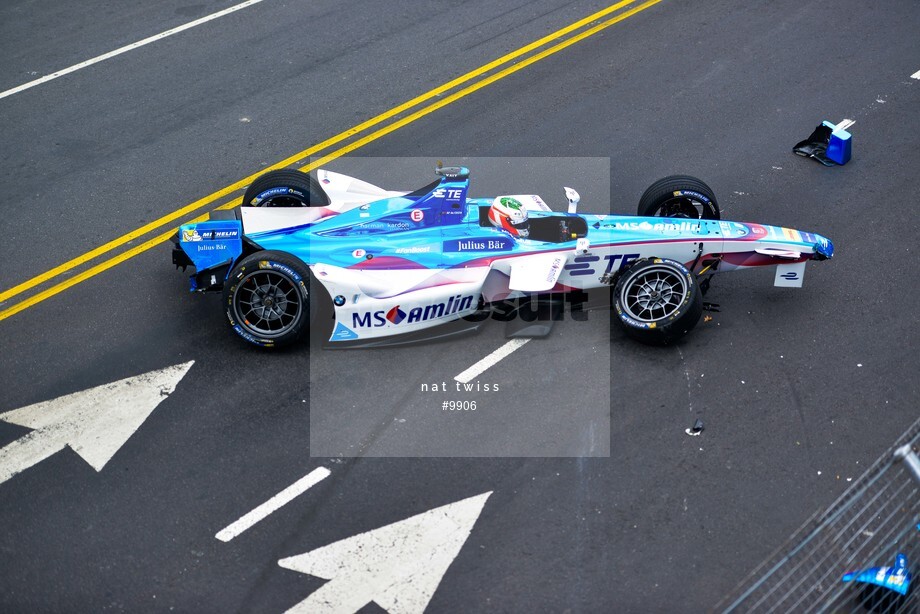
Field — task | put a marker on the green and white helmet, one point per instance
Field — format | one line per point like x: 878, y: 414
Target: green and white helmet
x: 510, y: 215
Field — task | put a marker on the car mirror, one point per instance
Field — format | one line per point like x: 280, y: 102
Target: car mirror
x: 573, y: 199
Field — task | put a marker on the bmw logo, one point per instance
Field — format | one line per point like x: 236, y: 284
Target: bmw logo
x: 339, y: 300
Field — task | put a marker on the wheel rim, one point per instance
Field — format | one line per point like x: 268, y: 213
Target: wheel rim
x: 654, y: 294
x: 683, y: 207
x: 267, y: 303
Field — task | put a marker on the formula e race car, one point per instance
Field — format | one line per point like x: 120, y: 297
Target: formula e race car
x: 369, y: 267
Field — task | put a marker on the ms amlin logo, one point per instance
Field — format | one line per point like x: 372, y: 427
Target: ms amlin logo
x: 528, y: 308
x: 396, y: 315
x: 422, y: 313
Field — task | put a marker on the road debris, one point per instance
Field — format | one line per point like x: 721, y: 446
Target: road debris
x: 696, y: 429
x: 828, y: 144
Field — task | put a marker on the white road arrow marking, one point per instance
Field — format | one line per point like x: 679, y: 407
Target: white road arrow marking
x: 398, y: 566
x: 95, y: 423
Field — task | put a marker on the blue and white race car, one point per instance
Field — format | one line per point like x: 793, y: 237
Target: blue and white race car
x: 369, y: 267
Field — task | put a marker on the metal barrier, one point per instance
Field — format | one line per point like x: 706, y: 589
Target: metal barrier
x: 860, y: 537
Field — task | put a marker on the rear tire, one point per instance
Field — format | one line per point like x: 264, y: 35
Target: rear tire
x: 285, y: 188
x: 268, y: 300
x: 679, y: 196
x: 657, y: 301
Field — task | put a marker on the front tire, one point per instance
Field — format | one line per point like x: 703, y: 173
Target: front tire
x: 657, y: 301
x: 267, y: 299
x: 679, y: 196
x: 285, y: 188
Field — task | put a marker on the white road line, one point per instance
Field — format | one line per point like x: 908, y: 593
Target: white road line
x: 282, y: 498
x: 126, y: 48
x: 916, y: 75
x: 490, y: 360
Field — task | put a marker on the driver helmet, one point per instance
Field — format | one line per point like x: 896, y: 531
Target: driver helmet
x: 510, y: 215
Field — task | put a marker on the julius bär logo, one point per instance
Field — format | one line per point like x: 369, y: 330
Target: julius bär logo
x: 396, y: 315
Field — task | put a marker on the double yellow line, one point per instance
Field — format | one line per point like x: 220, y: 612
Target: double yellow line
x: 589, y: 26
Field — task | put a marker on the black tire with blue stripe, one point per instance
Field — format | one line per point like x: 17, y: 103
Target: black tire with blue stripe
x: 268, y: 300
x: 285, y: 188
x: 657, y: 301
x: 680, y: 196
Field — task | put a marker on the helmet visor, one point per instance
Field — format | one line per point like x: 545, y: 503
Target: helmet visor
x: 522, y: 227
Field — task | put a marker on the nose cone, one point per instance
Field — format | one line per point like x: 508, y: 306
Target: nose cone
x: 824, y: 249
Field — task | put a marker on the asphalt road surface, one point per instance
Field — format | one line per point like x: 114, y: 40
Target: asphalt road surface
x: 593, y: 497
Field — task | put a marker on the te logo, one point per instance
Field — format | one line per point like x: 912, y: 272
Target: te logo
x: 417, y: 215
